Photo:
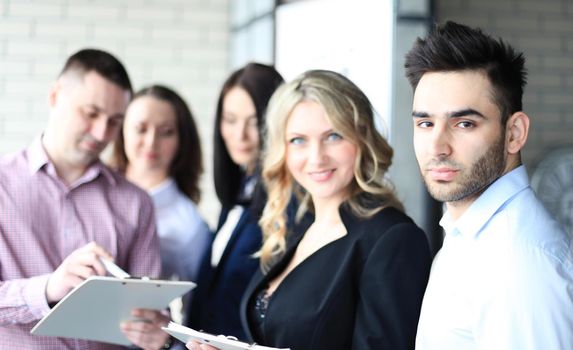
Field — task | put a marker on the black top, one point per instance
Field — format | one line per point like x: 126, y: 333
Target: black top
x: 361, y: 291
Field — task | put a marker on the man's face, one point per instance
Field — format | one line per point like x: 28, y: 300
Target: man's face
x: 86, y: 114
x: 458, y: 136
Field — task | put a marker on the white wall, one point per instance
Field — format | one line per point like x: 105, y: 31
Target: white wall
x: 180, y: 43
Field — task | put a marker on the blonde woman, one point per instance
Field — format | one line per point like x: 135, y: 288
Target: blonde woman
x: 351, y: 270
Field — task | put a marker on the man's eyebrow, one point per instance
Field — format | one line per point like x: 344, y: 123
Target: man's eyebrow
x: 417, y: 114
x: 99, y: 109
x: 464, y: 113
x: 93, y: 106
x: 455, y: 114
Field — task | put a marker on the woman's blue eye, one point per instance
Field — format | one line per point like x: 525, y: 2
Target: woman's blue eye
x: 296, y: 141
x: 334, y: 137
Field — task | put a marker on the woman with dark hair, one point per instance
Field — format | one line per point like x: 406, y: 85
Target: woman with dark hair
x: 160, y: 151
x: 229, y: 265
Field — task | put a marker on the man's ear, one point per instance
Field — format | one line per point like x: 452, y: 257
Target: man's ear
x: 516, y: 131
x: 55, y: 91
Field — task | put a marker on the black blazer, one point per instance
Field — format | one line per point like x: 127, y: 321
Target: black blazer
x: 214, y: 307
x: 362, y: 291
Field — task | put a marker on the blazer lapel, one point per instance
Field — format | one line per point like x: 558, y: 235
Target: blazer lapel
x: 260, y: 280
x: 230, y: 244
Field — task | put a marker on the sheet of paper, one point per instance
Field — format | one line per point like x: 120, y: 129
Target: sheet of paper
x: 113, y: 269
x: 221, y: 342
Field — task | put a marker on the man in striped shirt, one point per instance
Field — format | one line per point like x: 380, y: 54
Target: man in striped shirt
x: 61, y: 209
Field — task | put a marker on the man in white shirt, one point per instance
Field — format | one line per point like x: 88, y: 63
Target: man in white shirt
x: 504, y: 277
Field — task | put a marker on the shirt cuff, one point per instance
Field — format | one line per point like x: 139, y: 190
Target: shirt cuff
x: 35, y: 296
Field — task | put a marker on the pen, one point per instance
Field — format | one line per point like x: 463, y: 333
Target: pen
x: 113, y: 269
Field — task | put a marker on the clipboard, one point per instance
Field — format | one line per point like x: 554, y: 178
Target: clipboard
x: 221, y: 342
x: 95, y: 308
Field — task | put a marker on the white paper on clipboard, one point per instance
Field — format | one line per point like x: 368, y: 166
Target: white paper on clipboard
x: 94, y: 309
x: 221, y: 342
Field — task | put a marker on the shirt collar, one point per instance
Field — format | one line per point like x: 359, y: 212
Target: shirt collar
x: 494, y: 198
x: 38, y: 159
x: 95, y: 170
x: 165, y: 193
x: 37, y: 156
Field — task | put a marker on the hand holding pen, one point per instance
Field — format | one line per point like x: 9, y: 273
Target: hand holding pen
x: 76, y: 267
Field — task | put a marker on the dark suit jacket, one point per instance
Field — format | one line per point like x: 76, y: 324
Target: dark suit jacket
x: 362, y: 291
x: 217, y: 298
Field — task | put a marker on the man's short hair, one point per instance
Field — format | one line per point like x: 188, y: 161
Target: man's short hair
x: 456, y: 47
x: 101, y: 62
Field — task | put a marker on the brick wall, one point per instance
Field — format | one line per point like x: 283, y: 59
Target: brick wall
x: 543, y: 30
x: 181, y: 43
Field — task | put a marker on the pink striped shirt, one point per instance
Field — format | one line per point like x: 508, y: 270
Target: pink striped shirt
x: 42, y: 220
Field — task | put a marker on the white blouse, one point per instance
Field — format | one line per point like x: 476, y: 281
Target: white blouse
x: 224, y: 234
x: 226, y: 231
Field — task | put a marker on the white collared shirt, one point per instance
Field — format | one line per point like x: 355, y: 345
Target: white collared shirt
x: 503, y: 278
x: 224, y: 234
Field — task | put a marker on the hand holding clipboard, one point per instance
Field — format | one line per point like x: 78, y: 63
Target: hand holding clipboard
x: 95, y: 309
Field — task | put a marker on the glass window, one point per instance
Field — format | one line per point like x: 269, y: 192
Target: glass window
x: 252, y: 32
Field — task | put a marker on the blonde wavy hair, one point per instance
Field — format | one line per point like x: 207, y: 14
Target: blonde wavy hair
x: 351, y: 115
